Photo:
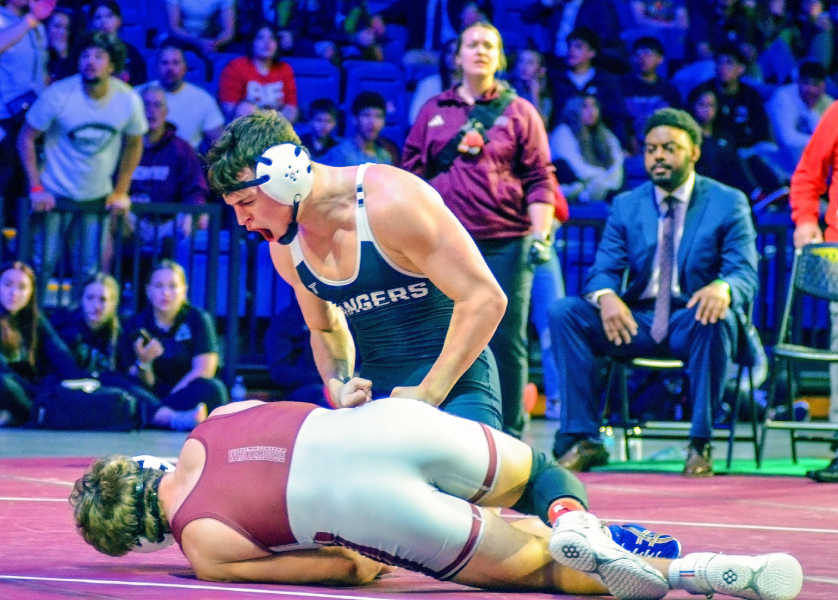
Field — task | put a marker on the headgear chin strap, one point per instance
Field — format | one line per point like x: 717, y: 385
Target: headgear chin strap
x: 144, y: 545
x: 283, y: 172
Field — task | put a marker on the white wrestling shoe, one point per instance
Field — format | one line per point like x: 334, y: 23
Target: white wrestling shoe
x: 580, y: 542
x: 765, y: 577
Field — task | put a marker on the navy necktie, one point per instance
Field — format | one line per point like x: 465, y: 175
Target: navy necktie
x: 660, y: 321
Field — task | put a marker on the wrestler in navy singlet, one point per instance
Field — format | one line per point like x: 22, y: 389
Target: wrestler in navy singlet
x: 400, y: 321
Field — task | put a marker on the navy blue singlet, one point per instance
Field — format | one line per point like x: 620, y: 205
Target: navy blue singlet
x: 400, y: 318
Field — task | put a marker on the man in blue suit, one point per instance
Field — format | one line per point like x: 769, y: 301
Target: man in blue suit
x: 691, y: 232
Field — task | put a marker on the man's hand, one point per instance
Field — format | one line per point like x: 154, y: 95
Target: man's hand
x: 807, y: 233
x: 118, y: 203
x: 413, y: 393
x: 354, y: 392
x: 42, y: 201
x: 617, y: 320
x: 713, y: 301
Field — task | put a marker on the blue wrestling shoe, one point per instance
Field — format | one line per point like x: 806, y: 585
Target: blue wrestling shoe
x: 639, y: 540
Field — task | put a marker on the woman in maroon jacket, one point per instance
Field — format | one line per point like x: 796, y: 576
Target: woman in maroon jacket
x: 496, y: 177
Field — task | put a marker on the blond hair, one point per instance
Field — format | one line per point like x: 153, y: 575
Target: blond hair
x: 109, y: 512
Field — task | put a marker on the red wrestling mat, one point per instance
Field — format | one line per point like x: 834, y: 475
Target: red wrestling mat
x: 42, y: 557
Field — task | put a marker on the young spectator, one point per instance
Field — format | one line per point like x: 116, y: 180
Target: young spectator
x: 23, y: 58
x: 581, y: 77
x: 719, y: 159
x: 429, y: 24
x: 62, y: 61
x: 364, y: 32
x: 432, y: 85
x: 644, y: 90
x: 498, y: 182
x: 529, y: 79
x: 172, y: 346
x: 261, y: 78
x: 323, y: 119
x: 191, y: 109
x: 741, y: 108
x: 591, y: 151
x: 87, y: 121
x: 816, y: 32
x: 796, y: 109
x: 743, y: 120
x: 91, y: 333
x: 205, y: 26
x: 31, y: 353
x: 169, y: 172
x: 561, y: 18
x: 779, y: 41
x: 368, y: 113
x: 106, y: 16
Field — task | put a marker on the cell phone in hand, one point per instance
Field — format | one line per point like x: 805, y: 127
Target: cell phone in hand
x: 145, y: 335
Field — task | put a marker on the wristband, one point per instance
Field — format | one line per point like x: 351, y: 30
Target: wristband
x: 36, y: 189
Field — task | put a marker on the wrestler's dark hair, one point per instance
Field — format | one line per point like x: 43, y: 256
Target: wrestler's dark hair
x: 673, y: 117
x: 105, y: 505
x: 243, y: 141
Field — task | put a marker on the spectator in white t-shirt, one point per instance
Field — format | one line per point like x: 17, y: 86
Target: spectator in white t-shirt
x: 205, y: 25
x: 87, y: 121
x: 192, y: 110
x: 796, y: 109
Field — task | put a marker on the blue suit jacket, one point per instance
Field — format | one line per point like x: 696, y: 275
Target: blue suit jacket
x: 719, y: 242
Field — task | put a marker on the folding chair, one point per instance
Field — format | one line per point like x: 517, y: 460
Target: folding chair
x: 315, y: 78
x: 677, y: 430
x: 814, y: 274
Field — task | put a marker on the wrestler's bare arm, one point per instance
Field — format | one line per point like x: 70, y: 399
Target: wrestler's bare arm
x: 420, y: 234
x: 331, y: 340
x: 218, y: 553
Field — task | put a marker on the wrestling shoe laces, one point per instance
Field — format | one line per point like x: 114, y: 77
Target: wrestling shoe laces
x: 580, y: 542
x: 639, y: 540
x: 764, y: 577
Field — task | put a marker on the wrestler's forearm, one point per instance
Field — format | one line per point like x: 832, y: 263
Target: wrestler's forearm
x: 334, y: 356
x: 473, y: 323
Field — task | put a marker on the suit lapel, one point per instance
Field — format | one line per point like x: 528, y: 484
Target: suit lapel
x: 692, y: 221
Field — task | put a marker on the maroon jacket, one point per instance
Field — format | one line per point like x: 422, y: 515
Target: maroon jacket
x: 169, y: 171
x: 489, y: 192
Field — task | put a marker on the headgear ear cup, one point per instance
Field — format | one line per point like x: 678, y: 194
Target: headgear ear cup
x: 286, y: 173
x: 145, y: 545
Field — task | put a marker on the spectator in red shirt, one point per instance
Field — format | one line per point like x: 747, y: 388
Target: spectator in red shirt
x: 261, y: 78
x: 814, y: 176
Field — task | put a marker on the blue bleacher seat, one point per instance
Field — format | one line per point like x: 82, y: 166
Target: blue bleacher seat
x: 396, y: 43
x: 315, y: 78
x: 195, y: 266
x: 273, y: 295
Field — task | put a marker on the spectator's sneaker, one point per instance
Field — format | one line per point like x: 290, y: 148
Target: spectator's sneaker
x: 639, y: 540
x: 765, y: 577
x: 580, y: 542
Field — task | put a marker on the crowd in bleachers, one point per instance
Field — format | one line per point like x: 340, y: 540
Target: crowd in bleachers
x: 353, y: 75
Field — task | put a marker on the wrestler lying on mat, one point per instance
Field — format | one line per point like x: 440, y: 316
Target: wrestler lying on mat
x: 292, y: 493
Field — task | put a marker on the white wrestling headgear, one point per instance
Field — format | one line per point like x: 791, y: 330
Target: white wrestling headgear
x: 144, y: 545
x: 283, y: 172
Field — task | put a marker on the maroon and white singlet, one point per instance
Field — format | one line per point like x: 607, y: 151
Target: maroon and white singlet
x: 249, y: 451
x: 394, y: 479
